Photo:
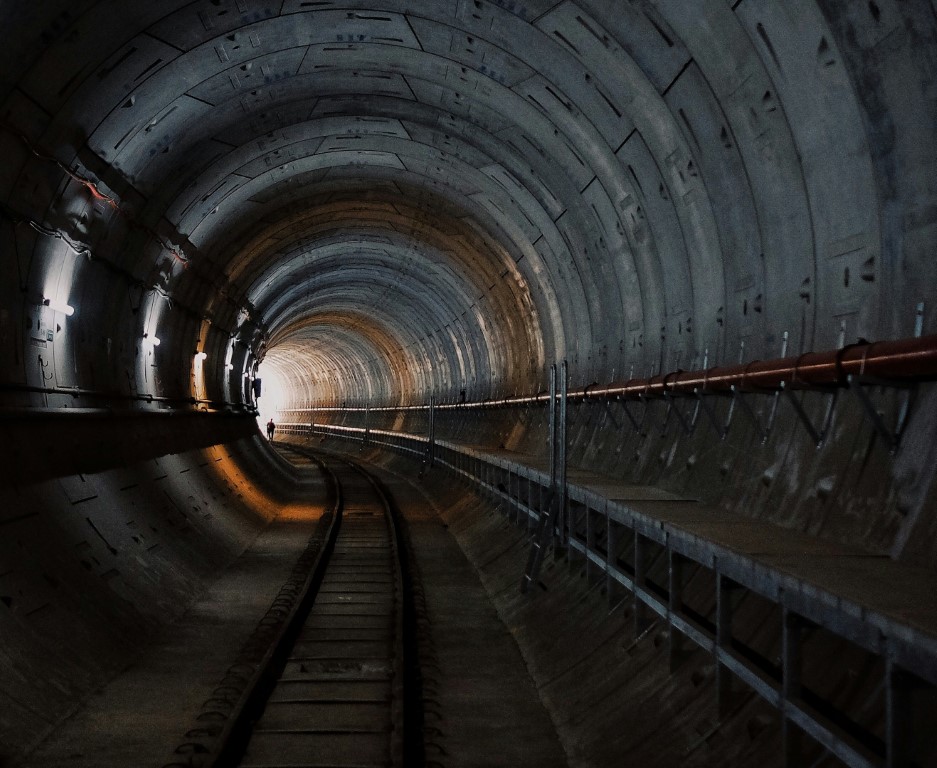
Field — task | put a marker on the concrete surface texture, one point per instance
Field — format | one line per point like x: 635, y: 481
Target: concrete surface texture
x: 217, y: 206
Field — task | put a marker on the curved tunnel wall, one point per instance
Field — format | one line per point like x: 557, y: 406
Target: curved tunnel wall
x: 625, y: 186
x: 383, y: 202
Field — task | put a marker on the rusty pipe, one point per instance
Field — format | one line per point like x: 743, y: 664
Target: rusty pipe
x: 898, y: 361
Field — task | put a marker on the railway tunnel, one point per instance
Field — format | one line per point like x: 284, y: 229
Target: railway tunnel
x: 629, y: 307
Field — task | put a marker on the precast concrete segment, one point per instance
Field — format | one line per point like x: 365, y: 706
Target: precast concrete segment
x: 561, y: 25
x: 565, y: 31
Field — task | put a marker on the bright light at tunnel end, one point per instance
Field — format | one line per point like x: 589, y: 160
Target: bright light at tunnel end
x: 273, y: 397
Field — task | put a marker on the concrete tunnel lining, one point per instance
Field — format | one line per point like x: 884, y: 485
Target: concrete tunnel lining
x: 384, y: 202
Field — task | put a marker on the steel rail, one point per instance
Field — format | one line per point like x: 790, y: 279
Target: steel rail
x: 224, y: 724
x: 278, y: 714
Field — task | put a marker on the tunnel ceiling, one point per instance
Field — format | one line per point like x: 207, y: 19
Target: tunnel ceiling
x: 382, y: 200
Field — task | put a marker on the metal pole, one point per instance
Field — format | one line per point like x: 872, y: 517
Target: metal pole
x: 431, y: 447
x: 642, y: 617
x: 563, y: 510
x: 791, y: 664
x: 724, y: 678
x: 898, y: 716
x: 552, y: 428
x: 675, y: 578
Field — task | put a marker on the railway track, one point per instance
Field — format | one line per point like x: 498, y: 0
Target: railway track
x: 330, y: 690
x: 338, y: 700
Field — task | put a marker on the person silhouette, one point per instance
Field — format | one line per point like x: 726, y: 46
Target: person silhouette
x: 271, y: 427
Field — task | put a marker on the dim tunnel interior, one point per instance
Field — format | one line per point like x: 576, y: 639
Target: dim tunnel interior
x: 218, y: 212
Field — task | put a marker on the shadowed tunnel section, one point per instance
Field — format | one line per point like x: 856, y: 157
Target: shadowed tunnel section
x: 379, y: 202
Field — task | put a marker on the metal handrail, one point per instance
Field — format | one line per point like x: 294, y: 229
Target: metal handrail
x: 899, y: 641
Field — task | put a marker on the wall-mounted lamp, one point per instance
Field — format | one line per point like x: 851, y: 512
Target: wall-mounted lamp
x: 59, y: 306
x: 201, y: 355
x: 150, y: 341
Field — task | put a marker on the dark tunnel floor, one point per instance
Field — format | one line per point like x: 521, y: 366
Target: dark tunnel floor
x: 484, y: 700
x: 141, y: 715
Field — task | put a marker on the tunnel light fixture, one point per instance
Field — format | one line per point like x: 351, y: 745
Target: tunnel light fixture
x: 59, y: 306
x: 201, y: 355
x: 150, y: 341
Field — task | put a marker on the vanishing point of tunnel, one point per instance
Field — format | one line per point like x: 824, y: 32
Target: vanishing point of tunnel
x: 468, y: 383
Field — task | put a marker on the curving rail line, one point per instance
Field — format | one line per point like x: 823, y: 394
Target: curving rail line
x: 327, y: 686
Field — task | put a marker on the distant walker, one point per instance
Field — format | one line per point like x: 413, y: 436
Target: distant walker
x: 271, y: 428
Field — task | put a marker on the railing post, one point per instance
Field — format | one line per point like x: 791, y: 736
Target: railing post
x: 642, y: 618
x: 897, y: 715
x: 552, y: 427
x: 676, y: 578
x: 431, y: 444
x: 725, y: 692
x: 562, y: 522
x: 613, y: 590
x: 791, y: 665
